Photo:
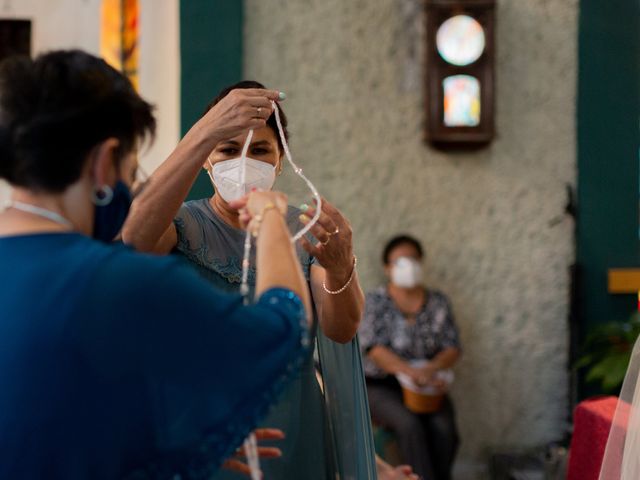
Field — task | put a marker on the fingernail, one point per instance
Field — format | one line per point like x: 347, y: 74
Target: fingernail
x: 282, y: 96
x: 304, y: 207
x: 304, y: 219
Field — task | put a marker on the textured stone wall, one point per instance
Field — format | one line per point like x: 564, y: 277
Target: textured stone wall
x: 492, y: 221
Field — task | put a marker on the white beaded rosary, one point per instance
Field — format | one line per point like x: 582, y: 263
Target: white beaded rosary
x: 251, y: 444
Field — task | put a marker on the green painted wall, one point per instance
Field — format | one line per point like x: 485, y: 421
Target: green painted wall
x: 211, y: 57
x: 608, y: 141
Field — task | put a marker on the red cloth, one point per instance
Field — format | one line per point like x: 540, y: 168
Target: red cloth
x: 592, y: 422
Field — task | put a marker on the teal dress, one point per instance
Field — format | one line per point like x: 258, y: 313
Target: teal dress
x: 328, y: 430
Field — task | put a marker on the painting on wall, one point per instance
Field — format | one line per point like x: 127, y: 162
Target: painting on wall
x: 461, y: 101
x: 119, y: 44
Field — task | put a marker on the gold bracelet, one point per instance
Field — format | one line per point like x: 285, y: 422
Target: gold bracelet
x: 260, y: 216
x: 344, y: 287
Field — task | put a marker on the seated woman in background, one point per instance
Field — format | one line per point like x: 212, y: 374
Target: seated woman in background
x: 115, y: 364
x: 403, y: 322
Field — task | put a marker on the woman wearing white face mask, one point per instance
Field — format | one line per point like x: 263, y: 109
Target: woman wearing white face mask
x: 206, y: 233
x: 405, y: 322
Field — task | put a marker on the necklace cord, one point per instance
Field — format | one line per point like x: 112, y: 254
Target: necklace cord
x: 41, y: 212
x: 250, y: 444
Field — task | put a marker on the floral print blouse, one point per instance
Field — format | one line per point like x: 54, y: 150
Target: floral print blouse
x: 384, y: 324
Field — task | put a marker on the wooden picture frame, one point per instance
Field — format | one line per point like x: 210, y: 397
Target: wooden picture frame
x: 437, y: 69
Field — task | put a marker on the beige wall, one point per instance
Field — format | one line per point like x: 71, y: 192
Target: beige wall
x: 76, y: 24
x: 352, y: 71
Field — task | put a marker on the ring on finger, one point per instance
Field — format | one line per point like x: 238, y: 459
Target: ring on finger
x: 259, y: 110
x: 325, y: 242
x: 337, y: 231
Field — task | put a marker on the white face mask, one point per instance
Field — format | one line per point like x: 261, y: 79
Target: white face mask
x: 235, y: 178
x: 406, y: 272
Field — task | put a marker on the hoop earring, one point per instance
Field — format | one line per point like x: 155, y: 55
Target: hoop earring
x: 102, y: 196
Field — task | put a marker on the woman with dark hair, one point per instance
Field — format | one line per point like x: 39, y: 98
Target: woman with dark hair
x: 115, y: 364
x: 328, y: 433
x: 409, y: 330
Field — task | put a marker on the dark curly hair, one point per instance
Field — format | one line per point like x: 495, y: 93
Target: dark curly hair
x: 55, y: 109
x: 271, y: 121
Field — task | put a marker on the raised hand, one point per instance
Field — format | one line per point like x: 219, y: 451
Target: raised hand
x: 334, y: 249
x: 241, y: 110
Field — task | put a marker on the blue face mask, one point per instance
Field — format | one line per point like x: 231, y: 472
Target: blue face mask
x: 110, y: 218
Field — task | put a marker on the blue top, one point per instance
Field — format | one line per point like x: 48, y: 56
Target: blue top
x: 120, y: 365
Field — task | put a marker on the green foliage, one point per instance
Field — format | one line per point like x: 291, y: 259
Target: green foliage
x: 607, y: 351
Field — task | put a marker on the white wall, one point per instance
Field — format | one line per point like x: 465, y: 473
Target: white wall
x: 160, y: 74
x: 76, y: 24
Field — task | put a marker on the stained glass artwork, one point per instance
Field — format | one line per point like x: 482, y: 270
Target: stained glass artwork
x: 460, y: 40
x: 119, y: 36
x: 461, y: 101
